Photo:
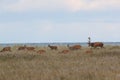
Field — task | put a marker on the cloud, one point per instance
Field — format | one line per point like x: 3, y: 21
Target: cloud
x: 21, y: 27
x: 45, y: 31
x: 53, y: 5
x: 24, y: 32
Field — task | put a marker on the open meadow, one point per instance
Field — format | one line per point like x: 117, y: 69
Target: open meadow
x: 83, y: 64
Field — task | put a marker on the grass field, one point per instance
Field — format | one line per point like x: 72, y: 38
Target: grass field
x: 101, y: 64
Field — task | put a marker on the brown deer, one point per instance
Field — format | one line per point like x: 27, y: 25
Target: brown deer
x: 95, y: 44
x: 88, y: 51
x: 6, y: 49
x: 30, y: 48
x: 22, y: 47
x: 64, y: 51
x: 52, y: 47
x: 41, y: 51
x: 75, y: 47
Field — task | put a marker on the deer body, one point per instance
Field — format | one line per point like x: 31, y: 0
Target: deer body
x: 64, y: 51
x: 6, y: 49
x: 41, y: 51
x: 95, y: 44
x: 75, y: 47
x: 52, y: 47
x: 30, y: 48
x: 22, y: 48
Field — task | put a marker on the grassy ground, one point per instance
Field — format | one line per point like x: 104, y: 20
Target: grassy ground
x: 101, y: 64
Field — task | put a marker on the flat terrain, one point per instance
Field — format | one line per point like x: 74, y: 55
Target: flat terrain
x: 83, y: 64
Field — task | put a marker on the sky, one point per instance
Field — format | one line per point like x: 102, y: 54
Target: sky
x: 43, y: 21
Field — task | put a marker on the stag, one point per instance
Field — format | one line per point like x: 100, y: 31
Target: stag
x: 95, y: 44
x: 52, y: 47
x: 75, y: 47
x: 6, y: 49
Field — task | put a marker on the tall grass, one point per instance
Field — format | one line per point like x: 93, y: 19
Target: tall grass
x: 102, y: 64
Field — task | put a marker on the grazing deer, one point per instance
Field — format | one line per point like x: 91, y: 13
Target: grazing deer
x: 22, y: 47
x: 95, y: 44
x: 41, y: 51
x: 6, y: 49
x: 64, y: 51
x: 52, y: 47
x: 30, y: 48
x: 75, y: 47
x: 89, y: 51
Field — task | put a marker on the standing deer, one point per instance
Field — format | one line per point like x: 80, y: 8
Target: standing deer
x: 6, y: 49
x: 95, y: 44
x: 52, y: 47
x: 22, y: 47
x: 75, y: 47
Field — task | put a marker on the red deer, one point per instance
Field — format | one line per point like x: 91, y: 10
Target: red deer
x: 6, y: 49
x: 88, y: 51
x: 52, y: 47
x: 30, y: 48
x: 41, y: 51
x: 64, y: 51
x: 22, y: 47
x: 95, y: 44
x: 75, y: 47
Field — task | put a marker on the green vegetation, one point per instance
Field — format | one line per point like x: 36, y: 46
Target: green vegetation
x: 100, y: 64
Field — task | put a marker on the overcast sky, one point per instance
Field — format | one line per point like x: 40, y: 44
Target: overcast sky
x: 40, y: 21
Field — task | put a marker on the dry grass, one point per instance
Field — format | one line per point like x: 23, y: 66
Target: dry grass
x: 101, y: 64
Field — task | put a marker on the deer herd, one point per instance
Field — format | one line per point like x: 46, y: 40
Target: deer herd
x: 65, y: 51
